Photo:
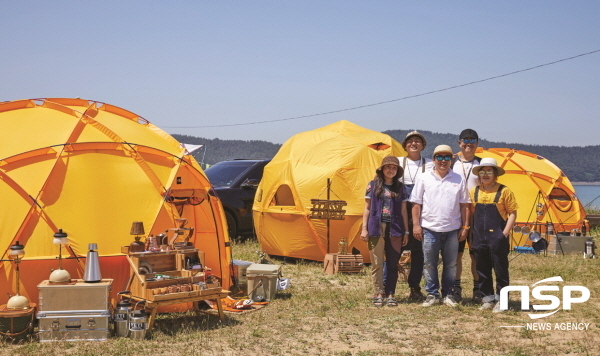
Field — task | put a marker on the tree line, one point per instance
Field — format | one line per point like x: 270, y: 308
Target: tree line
x: 579, y: 163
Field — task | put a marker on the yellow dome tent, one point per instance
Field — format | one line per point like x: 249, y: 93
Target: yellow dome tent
x: 343, y: 152
x: 92, y: 169
x: 544, y: 193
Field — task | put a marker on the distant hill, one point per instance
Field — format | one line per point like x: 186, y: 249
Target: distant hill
x: 580, y: 164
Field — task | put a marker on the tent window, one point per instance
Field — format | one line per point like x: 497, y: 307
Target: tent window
x: 283, y: 196
x: 561, y: 199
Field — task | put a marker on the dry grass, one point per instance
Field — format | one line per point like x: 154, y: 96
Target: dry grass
x: 331, y: 315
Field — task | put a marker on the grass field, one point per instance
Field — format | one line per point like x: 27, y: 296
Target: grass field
x: 332, y: 315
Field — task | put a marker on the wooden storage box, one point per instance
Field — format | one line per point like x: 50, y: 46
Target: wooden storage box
x: 168, y: 263
x: 77, y: 295
x: 334, y: 263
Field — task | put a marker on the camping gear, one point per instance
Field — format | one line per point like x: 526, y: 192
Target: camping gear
x: 336, y: 263
x: 74, y: 311
x: 73, y: 325
x: 60, y: 275
x: 342, y: 246
x: 77, y: 295
x: 16, y: 325
x: 121, y: 315
x: 17, y: 301
x: 137, y: 229
x: 343, y: 152
x: 567, y: 245
x: 92, y: 169
x: 240, y: 270
x: 92, y: 266
x: 589, y: 249
x: 264, y: 277
x: 138, y: 322
x: 546, y: 197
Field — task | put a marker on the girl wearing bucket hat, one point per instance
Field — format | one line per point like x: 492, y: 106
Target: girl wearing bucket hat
x: 494, y: 213
x: 384, y: 225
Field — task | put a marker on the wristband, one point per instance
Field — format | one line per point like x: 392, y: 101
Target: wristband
x: 466, y: 227
x: 406, y: 232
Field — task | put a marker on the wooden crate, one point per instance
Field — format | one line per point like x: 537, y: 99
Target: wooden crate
x: 169, y: 263
x: 334, y: 263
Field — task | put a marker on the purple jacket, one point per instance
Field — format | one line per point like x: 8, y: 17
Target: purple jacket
x: 374, y: 223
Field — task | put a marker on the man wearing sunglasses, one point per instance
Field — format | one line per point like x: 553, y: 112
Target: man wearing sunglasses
x: 440, y: 220
x: 463, y: 165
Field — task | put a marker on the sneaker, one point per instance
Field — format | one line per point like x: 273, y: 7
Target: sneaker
x: 457, y: 293
x: 489, y: 306
x: 430, y: 300
x: 477, y: 296
x: 497, y: 308
x: 450, y: 301
x: 415, y: 294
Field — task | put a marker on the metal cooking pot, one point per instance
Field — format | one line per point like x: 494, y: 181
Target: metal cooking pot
x: 535, y: 236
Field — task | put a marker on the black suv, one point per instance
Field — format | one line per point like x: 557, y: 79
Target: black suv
x: 235, y: 183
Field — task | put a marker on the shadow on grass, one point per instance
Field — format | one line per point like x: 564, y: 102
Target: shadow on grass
x: 172, y: 324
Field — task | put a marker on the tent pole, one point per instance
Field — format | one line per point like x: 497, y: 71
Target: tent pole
x: 203, y: 154
x: 328, y: 187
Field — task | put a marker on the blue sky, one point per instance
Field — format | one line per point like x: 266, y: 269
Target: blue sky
x: 202, y: 63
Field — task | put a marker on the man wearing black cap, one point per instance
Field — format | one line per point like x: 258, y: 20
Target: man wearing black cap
x: 463, y: 164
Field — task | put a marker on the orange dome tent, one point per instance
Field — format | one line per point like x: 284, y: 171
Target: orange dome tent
x: 343, y: 152
x: 544, y: 193
x: 92, y: 169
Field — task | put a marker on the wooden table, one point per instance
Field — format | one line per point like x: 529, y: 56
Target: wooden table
x: 153, y: 305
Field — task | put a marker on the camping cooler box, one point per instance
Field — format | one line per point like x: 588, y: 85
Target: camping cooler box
x: 265, y: 274
x: 77, y: 295
x: 74, y: 311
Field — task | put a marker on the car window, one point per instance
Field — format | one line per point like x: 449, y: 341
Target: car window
x: 257, y: 174
x: 223, y: 175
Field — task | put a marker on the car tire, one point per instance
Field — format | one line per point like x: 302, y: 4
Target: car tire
x: 231, y: 225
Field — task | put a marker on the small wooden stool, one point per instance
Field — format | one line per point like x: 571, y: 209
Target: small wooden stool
x: 335, y: 263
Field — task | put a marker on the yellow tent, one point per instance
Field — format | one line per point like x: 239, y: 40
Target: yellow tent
x: 92, y: 169
x: 545, y: 195
x: 343, y: 152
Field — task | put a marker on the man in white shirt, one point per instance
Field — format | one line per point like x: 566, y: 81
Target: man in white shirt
x: 463, y: 164
x: 440, y: 220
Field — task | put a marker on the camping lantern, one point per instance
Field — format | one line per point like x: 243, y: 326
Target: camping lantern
x: 137, y: 229
x: 17, y: 301
x: 60, y: 275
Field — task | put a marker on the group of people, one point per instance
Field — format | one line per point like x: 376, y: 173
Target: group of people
x: 433, y: 207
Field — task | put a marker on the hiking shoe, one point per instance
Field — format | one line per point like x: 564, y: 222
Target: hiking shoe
x: 477, y: 296
x: 497, y: 309
x: 415, y: 294
x: 430, y: 300
x: 489, y: 306
x: 450, y: 301
x: 457, y: 293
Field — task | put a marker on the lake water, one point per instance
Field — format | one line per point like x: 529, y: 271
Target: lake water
x: 587, y: 193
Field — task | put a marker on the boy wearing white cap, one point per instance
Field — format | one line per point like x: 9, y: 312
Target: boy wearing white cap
x: 440, y: 220
x: 414, y: 164
x: 463, y: 164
